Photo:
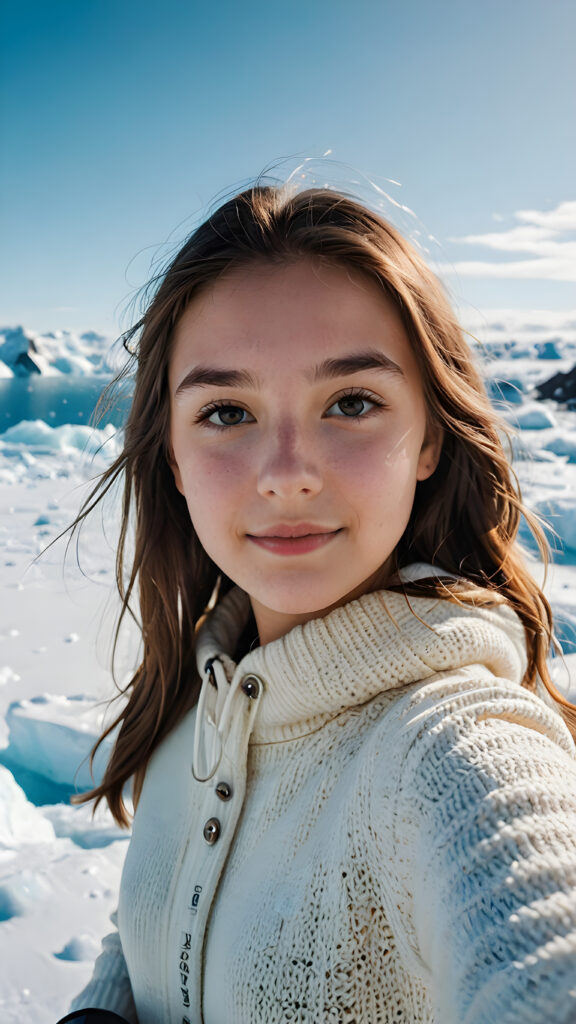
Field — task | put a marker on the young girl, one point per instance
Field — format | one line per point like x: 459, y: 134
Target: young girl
x: 355, y: 800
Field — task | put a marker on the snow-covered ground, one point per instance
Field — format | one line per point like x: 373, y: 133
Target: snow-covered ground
x: 59, y: 868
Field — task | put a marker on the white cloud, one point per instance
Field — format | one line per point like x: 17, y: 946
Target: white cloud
x: 540, y: 269
x: 542, y: 235
x: 563, y: 218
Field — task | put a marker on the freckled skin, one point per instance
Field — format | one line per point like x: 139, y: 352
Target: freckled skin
x: 336, y: 458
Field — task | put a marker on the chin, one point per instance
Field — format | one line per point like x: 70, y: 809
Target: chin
x: 306, y: 608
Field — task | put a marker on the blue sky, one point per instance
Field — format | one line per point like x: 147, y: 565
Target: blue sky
x: 122, y: 121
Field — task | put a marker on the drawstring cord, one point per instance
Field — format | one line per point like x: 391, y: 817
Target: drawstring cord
x: 212, y: 723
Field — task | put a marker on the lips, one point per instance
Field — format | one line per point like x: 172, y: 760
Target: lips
x: 294, y: 538
x: 293, y: 530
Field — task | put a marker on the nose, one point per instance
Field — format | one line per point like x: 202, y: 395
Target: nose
x: 290, y: 465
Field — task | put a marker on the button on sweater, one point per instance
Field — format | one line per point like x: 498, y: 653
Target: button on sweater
x: 386, y: 833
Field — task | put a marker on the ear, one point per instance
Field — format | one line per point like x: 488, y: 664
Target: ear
x: 171, y: 460
x: 430, y: 451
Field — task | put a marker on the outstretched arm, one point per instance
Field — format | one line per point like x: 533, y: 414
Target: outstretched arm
x: 488, y: 788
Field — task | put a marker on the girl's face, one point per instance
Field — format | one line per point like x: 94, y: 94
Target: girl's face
x: 298, y: 434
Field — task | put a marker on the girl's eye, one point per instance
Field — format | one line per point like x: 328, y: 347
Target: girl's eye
x: 353, y: 406
x: 226, y: 415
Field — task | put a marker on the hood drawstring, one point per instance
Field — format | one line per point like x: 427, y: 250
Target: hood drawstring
x: 213, y: 715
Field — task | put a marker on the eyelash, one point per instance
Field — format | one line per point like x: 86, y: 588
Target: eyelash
x: 363, y: 395
x: 360, y: 393
x: 208, y: 410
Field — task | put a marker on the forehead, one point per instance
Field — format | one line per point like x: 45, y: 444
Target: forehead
x: 297, y: 313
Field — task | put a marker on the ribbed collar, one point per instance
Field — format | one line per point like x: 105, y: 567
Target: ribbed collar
x: 378, y: 642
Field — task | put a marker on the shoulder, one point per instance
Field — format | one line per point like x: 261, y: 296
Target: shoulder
x: 471, y: 701
x: 444, y: 632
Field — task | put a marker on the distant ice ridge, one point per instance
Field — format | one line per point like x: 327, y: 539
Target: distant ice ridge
x: 537, y: 334
x: 52, y: 736
x: 23, y: 353
x: 542, y: 329
x: 27, y: 450
x: 38, y: 436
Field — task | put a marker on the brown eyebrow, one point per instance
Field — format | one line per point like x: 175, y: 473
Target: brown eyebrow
x: 211, y: 376
x: 371, y: 360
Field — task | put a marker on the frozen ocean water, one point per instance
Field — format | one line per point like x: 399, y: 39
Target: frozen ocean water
x: 59, y: 867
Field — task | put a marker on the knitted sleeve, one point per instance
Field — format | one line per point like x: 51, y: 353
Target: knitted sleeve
x: 487, y: 822
x: 109, y: 988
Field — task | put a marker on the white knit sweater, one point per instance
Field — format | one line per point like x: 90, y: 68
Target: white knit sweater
x: 398, y: 845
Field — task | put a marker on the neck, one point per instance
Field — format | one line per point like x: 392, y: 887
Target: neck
x: 272, y: 625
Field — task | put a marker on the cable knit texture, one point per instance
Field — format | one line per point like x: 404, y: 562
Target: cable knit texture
x: 398, y: 846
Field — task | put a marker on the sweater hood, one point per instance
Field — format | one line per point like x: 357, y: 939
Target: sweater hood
x: 377, y: 642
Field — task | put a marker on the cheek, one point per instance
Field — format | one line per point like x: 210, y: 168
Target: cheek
x: 388, y: 466
x: 212, y: 487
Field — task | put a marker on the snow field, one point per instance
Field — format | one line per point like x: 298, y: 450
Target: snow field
x: 59, y: 867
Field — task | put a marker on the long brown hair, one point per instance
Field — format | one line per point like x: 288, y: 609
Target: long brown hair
x: 465, y: 517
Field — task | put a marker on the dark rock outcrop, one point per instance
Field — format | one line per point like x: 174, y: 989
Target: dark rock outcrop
x: 561, y: 388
